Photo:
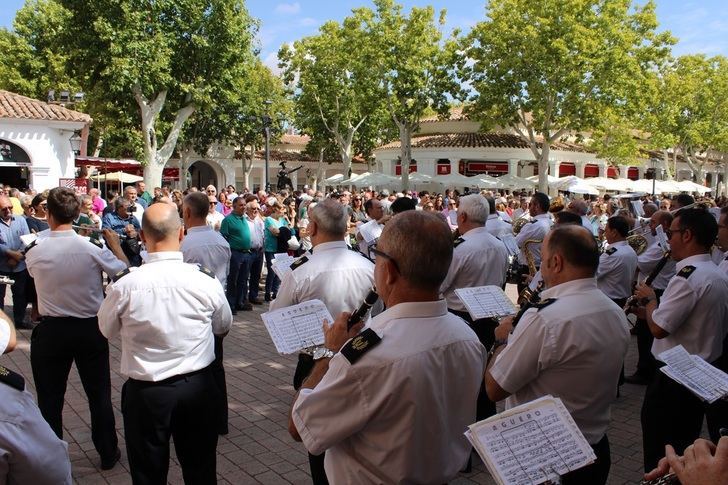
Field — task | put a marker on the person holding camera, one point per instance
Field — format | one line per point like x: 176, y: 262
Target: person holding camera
x: 123, y: 222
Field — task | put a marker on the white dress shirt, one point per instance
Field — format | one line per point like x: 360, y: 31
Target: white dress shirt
x: 480, y: 260
x: 497, y: 226
x: 694, y: 309
x: 334, y: 274
x: 257, y: 232
x: 214, y: 220
x: 617, y: 269
x: 67, y: 269
x: 647, y: 261
x: 534, y: 230
x: 139, y: 212
x: 723, y: 266
x: 397, y: 415
x: 572, y: 349
x: 166, y: 312
x: 204, y: 246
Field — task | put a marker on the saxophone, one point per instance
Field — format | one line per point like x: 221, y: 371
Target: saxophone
x: 530, y: 258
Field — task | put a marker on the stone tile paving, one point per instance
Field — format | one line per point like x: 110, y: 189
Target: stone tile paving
x: 258, y: 448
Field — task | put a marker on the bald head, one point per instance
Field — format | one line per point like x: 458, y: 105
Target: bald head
x: 161, y: 222
x: 650, y: 209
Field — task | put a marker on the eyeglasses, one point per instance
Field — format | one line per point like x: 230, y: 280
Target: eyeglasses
x: 213, y: 203
x: 211, y: 191
x: 670, y: 232
x: 382, y: 254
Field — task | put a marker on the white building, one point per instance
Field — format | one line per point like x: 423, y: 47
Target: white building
x: 35, y: 146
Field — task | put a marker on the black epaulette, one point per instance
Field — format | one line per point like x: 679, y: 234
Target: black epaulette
x: 30, y: 246
x: 120, y: 274
x: 12, y: 379
x: 611, y: 251
x: 206, y: 271
x: 458, y: 242
x: 360, y: 345
x: 543, y: 304
x: 96, y: 243
x: 298, y: 263
x: 726, y: 258
x: 686, y: 271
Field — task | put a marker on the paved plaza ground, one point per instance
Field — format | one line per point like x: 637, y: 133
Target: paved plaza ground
x: 258, y: 448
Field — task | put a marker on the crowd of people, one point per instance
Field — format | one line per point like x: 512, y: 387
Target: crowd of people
x: 385, y: 402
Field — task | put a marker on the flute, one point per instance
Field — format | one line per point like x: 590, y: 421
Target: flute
x: 95, y: 229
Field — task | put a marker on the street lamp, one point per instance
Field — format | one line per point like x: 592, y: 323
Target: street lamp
x: 266, y: 127
x: 76, y: 142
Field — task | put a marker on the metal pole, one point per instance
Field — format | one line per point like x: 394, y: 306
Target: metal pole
x: 654, y: 177
x: 267, y: 157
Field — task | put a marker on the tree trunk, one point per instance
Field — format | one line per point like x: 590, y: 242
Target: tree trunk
x: 543, y: 169
x: 99, y: 145
x: 319, y: 172
x: 666, y: 163
x: 724, y: 188
x: 248, y: 166
x: 184, y: 166
x: 155, y: 159
x: 405, y: 138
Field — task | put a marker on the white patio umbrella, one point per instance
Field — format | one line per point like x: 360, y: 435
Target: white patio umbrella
x: 690, y: 186
x: 484, y: 181
x: 123, y: 177
x: 607, y: 184
x: 335, y: 179
x: 513, y: 182
x: 456, y: 180
x: 644, y: 185
x: 582, y: 188
x: 354, y: 177
x: 563, y: 183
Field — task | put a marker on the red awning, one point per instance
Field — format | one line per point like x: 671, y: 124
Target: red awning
x: 633, y: 173
x: 567, y: 168
x: 612, y: 172
x: 112, y: 164
x: 591, y: 171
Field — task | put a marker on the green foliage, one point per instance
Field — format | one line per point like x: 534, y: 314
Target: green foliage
x: 616, y: 141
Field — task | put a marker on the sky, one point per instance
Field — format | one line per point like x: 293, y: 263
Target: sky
x: 700, y: 26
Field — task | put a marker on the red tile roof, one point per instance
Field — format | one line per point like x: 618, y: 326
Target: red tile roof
x: 477, y: 140
x: 15, y: 106
x: 295, y: 139
x: 456, y: 114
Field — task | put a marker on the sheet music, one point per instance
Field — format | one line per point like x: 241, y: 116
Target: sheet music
x: 486, y: 301
x: 370, y: 231
x: 281, y: 264
x: 27, y: 239
x: 510, y: 242
x: 297, y: 327
x: 531, y: 443
x: 702, y: 379
x: 638, y: 208
x: 662, y: 238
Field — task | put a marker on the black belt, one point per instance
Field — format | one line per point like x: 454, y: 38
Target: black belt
x: 169, y: 380
x: 248, y: 251
x: 69, y: 319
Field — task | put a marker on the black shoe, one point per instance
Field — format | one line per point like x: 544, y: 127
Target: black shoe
x: 637, y: 379
x: 267, y: 297
x: 245, y: 307
x: 233, y: 311
x: 111, y: 462
x: 255, y: 301
x: 274, y: 296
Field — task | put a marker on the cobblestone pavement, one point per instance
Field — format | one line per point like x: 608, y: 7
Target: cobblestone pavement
x: 258, y: 448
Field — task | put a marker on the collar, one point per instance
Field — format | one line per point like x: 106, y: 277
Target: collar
x: 163, y: 256
x: 7, y: 223
x: 545, y: 216
x: 619, y: 243
x: 475, y: 231
x: 419, y: 309
x: 570, y: 288
x: 330, y: 246
x: 697, y: 258
x: 66, y: 233
x: 493, y: 216
x: 202, y: 228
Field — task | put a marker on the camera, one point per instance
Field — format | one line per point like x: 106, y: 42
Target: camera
x: 131, y: 208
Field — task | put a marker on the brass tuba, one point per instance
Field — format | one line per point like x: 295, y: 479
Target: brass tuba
x: 518, y: 225
x: 638, y: 243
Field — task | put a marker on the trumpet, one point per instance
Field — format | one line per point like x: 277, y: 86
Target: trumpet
x: 632, y: 300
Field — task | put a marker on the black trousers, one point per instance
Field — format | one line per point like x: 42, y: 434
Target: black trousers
x: 597, y: 472
x: 218, y: 372
x: 484, y: 329
x: 55, y: 344
x: 184, y: 408
x: 670, y: 415
x: 646, y: 362
x: 20, y: 300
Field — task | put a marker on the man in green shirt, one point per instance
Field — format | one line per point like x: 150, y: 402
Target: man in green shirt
x: 235, y: 230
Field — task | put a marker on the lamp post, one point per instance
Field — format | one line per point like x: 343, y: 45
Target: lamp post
x: 76, y: 142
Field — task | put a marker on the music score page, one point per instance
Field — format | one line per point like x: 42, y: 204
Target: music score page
x: 297, y: 327
x: 486, y: 302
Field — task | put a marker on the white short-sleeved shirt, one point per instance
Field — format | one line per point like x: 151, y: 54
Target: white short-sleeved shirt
x: 166, y: 312
x: 479, y: 260
x: 497, y: 226
x: 257, y: 232
x: 647, y: 261
x: 332, y: 273
x: 617, y: 269
x: 397, y: 415
x: 214, y: 219
x: 30, y: 452
x: 723, y: 266
x: 534, y: 230
x: 67, y: 269
x: 694, y: 309
x: 572, y: 349
x: 204, y: 246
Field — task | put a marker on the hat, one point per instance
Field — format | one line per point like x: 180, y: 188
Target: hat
x: 384, y: 192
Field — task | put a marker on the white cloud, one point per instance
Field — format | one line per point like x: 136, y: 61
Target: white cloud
x: 307, y: 21
x: 271, y: 60
x: 288, y: 8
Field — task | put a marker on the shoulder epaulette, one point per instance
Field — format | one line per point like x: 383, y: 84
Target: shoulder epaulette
x: 726, y: 258
x: 12, y: 379
x: 543, y: 304
x: 96, y: 243
x: 686, y: 271
x: 360, y: 345
x: 458, y: 242
x: 120, y: 274
x: 534, y: 221
x: 30, y: 246
x: 298, y: 263
x: 611, y: 251
x: 206, y: 271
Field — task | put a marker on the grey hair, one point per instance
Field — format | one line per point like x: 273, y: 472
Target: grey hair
x: 158, y: 230
x: 420, y: 243
x: 26, y: 201
x: 121, y: 202
x: 330, y: 216
x: 476, y: 207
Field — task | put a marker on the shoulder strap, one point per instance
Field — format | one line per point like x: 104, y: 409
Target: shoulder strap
x: 458, y: 242
x: 360, y: 345
x: 611, y: 251
x: 120, y: 274
x: 686, y: 271
x: 544, y: 303
x: 206, y: 271
x: 96, y: 243
x: 12, y: 379
x: 299, y: 262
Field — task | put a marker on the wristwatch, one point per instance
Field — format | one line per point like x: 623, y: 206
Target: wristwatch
x: 323, y: 353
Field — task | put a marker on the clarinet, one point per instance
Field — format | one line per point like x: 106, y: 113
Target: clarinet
x: 360, y: 312
x: 632, y: 300
x: 535, y: 298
